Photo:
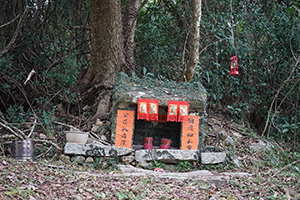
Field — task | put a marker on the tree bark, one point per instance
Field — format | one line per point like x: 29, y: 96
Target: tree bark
x: 132, y: 10
x: 107, y: 53
x: 195, y: 33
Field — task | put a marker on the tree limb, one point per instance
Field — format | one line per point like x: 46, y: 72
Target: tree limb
x: 48, y: 142
x: 18, y: 29
x: 11, y: 130
x: 10, y: 21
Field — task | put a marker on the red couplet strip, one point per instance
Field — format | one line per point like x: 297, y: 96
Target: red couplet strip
x: 190, y: 133
x: 124, y: 129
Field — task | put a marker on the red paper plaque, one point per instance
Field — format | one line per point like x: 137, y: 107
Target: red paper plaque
x: 142, y: 112
x: 190, y: 134
x: 183, y: 111
x: 172, y: 111
x: 153, y: 109
x: 124, y: 129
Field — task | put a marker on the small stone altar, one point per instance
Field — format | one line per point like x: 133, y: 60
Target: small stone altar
x: 128, y: 90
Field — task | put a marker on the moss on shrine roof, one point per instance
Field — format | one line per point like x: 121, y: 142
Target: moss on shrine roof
x: 129, y: 89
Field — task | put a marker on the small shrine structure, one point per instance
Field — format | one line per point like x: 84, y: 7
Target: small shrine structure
x: 128, y: 131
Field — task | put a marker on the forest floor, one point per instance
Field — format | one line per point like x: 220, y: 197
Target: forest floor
x: 275, y: 174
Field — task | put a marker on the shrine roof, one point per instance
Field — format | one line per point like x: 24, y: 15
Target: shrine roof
x: 130, y: 89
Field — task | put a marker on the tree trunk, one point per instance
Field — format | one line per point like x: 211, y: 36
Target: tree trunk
x: 195, y: 33
x: 107, y: 52
x: 132, y: 10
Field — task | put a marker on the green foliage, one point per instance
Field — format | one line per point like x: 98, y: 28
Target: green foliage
x: 159, y: 38
x: 289, y: 161
x: 17, y: 114
x: 107, y: 164
x: 184, y: 166
x: 157, y: 164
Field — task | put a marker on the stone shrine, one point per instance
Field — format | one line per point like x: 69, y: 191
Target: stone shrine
x: 128, y: 90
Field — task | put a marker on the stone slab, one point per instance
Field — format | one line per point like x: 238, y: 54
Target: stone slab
x: 96, y: 150
x: 259, y: 146
x: 166, y: 155
x: 212, y: 157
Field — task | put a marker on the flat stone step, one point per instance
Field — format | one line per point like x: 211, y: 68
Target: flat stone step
x: 96, y: 150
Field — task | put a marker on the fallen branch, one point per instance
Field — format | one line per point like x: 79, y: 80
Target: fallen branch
x: 45, y: 153
x: 97, y: 138
x: 48, y: 142
x: 32, y: 128
x: 285, y: 167
x: 70, y: 126
x: 11, y: 130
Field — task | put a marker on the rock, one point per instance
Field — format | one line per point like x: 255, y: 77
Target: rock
x: 78, y: 159
x: 236, y: 162
x: 222, y: 135
x: 95, y: 128
x: 64, y: 158
x: 99, y: 122
x: 96, y: 150
x: 102, y: 137
x: 236, y: 134
x: 203, y: 175
x: 166, y: 155
x: 128, y: 159
x: 89, y: 160
x: 260, y: 146
x: 227, y: 139
x: 213, y: 157
x: 229, y: 142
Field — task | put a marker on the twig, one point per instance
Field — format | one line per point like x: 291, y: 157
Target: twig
x: 8, y: 128
x: 2, y: 149
x: 285, y: 167
x: 70, y: 126
x: 29, y: 76
x: 49, y: 142
x: 44, y: 154
x: 35, y: 121
x: 96, y: 137
x: 53, y: 157
x: 10, y: 21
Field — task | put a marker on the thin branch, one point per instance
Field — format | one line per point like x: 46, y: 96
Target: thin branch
x: 11, y: 130
x: 70, y: 126
x: 289, y: 165
x: 10, y: 21
x: 29, y: 76
x: 18, y: 29
x: 32, y: 128
x: 48, y: 142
